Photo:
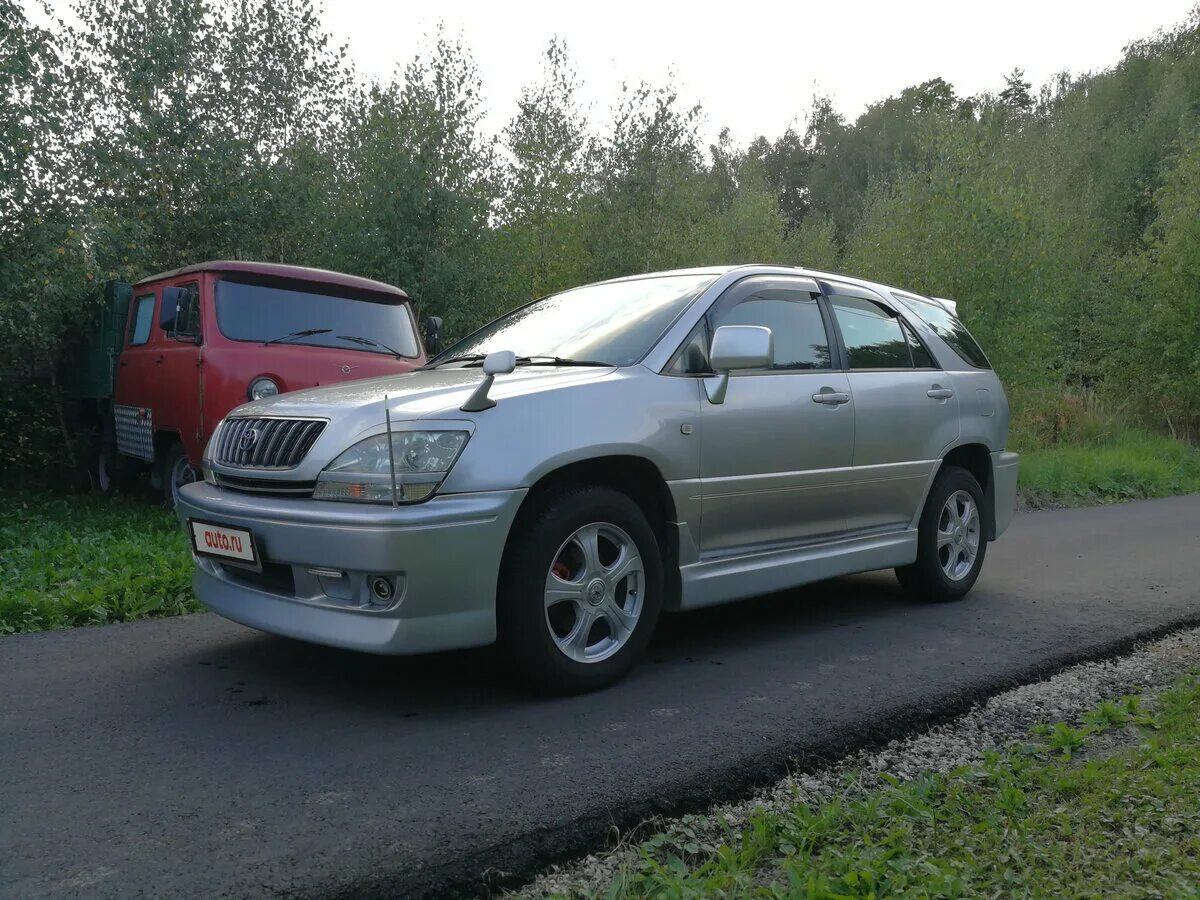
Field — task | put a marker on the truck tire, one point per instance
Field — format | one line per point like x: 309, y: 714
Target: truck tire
x: 580, y: 592
x: 176, y: 471
x: 115, y: 472
x: 951, y: 542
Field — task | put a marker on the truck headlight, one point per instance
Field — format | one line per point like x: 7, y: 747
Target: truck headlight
x: 261, y: 388
x: 364, y: 472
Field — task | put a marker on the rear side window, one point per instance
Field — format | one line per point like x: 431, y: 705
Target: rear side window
x: 948, y: 327
x: 871, y: 333
x: 143, y: 318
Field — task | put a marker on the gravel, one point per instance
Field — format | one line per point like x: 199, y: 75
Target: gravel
x: 1002, y: 721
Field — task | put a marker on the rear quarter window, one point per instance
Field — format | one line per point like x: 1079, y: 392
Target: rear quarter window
x: 949, y: 328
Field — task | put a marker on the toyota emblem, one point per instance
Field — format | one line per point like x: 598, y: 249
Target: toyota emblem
x: 248, y: 439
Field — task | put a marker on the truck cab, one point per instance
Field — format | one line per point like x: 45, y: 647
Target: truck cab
x: 200, y: 340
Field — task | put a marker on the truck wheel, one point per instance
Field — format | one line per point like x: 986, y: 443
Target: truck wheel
x: 115, y: 471
x: 581, y: 590
x: 950, y: 539
x: 176, y: 472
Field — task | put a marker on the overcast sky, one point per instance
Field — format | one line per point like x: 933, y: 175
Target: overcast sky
x: 754, y: 65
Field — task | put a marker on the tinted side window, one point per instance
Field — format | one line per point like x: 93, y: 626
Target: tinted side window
x: 797, y: 329
x: 872, y: 334
x: 920, y: 356
x: 143, y: 318
x: 949, y: 328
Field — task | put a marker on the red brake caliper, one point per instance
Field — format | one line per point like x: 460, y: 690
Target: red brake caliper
x: 560, y: 569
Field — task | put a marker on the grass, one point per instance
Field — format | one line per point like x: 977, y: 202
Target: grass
x: 1035, y: 821
x: 1125, y: 465
x: 86, y: 559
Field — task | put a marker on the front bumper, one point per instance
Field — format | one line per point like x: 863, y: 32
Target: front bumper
x: 441, y: 556
x: 1004, y: 485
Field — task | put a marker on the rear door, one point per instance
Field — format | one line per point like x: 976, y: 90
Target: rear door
x: 773, y: 453
x: 905, y: 408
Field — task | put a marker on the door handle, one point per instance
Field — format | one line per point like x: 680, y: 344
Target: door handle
x: 158, y: 361
x: 939, y: 393
x: 831, y: 398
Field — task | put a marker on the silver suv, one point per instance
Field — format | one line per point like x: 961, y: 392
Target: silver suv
x: 562, y: 476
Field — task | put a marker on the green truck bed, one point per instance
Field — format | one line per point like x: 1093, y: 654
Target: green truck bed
x: 90, y: 367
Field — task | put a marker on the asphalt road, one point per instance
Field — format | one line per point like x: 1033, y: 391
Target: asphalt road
x: 193, y: 757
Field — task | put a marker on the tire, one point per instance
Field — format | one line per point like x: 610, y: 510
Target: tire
x: 593, y: 549
x: 947, y: 572
x: 176, y: 471
x: 115, y: 472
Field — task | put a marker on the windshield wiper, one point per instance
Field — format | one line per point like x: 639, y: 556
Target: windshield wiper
x: 466, y: 357
x: 367, y: 342
x: 471, y: 358
x: 297, y: 334
x: 558, y: 361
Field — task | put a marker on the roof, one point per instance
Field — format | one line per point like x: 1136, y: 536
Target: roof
x: 279, y: 270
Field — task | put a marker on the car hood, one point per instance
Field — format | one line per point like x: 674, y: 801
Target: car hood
x: 419, y: 394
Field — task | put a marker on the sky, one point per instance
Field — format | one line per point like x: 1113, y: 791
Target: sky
x: 753, y: 65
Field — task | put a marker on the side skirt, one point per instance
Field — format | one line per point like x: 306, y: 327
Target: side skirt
x: 739, y: 575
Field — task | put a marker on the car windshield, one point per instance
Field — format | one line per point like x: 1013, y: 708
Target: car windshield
x: 305, y: 315
x: 616, y: 323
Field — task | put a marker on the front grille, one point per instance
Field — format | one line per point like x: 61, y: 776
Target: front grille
x: 250, y: 443
x: 264, y: 485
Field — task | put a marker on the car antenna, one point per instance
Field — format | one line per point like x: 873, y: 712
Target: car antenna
x: 387, y: 414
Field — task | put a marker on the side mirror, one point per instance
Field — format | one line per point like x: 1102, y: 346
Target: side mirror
x: 737, y: 347
x: 176, y: 313
x: 433, y: 335
x: 168, y: 310
x: 499, y: 362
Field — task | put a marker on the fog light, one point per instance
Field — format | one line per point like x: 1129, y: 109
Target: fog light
x: 381, y: 588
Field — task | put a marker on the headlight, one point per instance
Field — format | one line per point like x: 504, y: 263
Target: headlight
x: 364, y: 472
x: 261, y: 388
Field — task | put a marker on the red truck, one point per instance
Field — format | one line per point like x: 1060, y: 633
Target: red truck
x: 177, y: 351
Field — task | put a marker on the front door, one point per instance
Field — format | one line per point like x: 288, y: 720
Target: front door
x: 773, y: 453
x: 905, y: 409
x: 177, y: 392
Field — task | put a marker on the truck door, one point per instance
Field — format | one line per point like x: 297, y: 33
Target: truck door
x: 177, y: 371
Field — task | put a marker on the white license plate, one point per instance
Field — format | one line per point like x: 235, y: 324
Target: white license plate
x: 223, y: 542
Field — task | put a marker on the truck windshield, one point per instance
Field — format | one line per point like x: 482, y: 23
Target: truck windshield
x: 616, y: 323
x: 258, y: 312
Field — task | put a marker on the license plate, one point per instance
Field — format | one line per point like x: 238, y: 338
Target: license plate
x: 236, y: 545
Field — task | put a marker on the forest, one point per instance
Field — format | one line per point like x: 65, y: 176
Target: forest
x: 147, y: 134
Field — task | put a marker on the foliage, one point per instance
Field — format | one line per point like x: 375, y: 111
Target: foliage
x: 156, y: 133
x: 84, y: 560
x: 1032, y: 821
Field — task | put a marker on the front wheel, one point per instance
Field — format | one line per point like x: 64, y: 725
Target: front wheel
x: 581, y: 591
x: 176, y: 472
x: 950, y: 539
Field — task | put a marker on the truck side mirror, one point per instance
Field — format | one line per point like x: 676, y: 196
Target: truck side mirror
x: 178, y: 312
x: 433, y: 335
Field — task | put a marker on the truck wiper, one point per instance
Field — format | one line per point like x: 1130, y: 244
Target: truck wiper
x: 297, y: 334
x: 558, y: 361
x: 367, y: 342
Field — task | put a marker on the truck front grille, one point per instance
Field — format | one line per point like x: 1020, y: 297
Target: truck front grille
x: 260, y: 443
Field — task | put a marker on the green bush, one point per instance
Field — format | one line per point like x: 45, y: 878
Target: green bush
x: 87, y: 559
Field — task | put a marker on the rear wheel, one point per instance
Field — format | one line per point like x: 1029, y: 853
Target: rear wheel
x: 115, y: 471
x: 950, y: 539
x: 581, y: 591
